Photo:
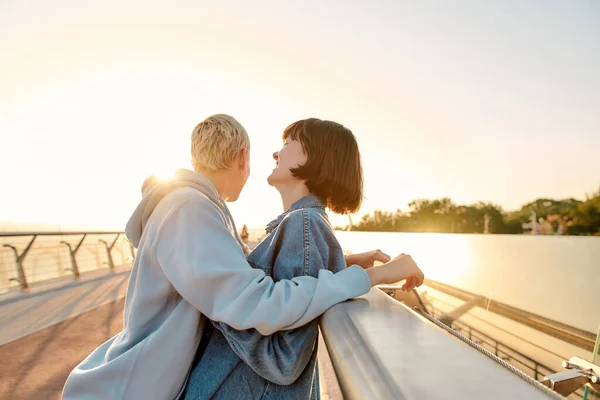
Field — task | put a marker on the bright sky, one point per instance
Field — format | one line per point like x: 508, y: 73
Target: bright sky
x: 475, y: 100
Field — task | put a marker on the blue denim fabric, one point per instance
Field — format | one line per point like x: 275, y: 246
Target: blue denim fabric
x: 247, y: 365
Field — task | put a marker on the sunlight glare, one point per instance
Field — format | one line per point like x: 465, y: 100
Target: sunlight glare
x: 164, y: 174
x: 450, y: 259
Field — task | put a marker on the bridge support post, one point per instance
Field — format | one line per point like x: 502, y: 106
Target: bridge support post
x: 449, y: 317
x: 19, y: 258
x: 73, y: 254
x: 109, y: 248
x: 578, y: 373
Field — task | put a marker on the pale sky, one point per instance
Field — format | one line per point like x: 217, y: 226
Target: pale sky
x: 475, y: 100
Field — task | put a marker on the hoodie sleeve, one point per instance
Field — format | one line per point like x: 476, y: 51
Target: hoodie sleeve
x: 205, y: 264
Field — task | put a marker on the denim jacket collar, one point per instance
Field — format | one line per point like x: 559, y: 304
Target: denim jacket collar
x: 310, y: 201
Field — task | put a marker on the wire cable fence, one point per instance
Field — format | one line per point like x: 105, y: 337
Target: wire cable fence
x: 30, y: 258
x: 528, y: 365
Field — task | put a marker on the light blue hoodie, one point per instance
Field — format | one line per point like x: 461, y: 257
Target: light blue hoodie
x: 190, y: 264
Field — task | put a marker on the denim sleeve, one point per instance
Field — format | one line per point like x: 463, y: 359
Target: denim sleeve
x: 308, y: 245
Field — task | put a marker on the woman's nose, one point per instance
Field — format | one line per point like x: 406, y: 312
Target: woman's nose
x: 276, y: 156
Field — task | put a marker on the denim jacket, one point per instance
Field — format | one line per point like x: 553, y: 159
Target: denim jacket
x: 247, y: 365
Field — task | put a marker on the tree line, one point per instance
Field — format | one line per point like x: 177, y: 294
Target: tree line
x: 568, y: 216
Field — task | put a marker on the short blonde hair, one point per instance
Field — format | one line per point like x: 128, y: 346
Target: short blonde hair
x: 216, y: 140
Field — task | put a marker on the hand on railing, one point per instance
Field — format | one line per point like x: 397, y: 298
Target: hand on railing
x: 368, y: 259
x: 403, y: 267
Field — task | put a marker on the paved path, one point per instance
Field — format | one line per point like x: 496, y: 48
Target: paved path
x: 28, y: 314
x: 37, y: 366
x: 43, y: 336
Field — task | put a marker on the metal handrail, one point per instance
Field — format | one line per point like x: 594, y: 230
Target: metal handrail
x: 416, y: 357
x: 20, y: 256
x: 570, y: 334
x: 539, y: 370
x: 484, y: 338
x: 59, y: 233
x: 498, y: 328
x: 507, y: 353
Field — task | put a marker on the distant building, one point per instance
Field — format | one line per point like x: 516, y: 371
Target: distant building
x: 554, y: 224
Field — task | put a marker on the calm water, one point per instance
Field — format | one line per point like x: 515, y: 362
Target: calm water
x: 554, y: 276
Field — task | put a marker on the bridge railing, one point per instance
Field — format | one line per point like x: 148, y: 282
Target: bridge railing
x: 30, y: 258
x: 570, y: 334
x: 382, y: 349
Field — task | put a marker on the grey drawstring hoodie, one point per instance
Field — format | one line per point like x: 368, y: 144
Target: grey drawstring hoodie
x: 190, y: 265
x: 153, y: 191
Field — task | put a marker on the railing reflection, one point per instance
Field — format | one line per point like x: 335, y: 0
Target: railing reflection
x: 529, y: 365
x: 380, y: 348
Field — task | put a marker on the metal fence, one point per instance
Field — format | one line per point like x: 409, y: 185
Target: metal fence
x: 29, y: 258
x: 530, y: 366
x: 380, y: 348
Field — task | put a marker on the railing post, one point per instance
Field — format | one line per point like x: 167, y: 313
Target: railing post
x: 73, y: 253
x: 111, y: 263
x: 19, y: 263
x: 19, y: 251
x: 20, y: 272
x: 448, y: 317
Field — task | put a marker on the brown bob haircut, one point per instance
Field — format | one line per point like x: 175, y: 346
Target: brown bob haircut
x: 332, y: 171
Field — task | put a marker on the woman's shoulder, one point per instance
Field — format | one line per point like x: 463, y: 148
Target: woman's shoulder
x: 306, y: 214
x: 306, y: 218
x: 185, y: 201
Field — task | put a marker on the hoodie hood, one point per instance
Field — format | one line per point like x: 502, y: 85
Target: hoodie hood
x: 154, y: 190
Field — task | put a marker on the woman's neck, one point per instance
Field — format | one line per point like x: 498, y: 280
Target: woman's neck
x: 292, y: 193
x: 219, y: 180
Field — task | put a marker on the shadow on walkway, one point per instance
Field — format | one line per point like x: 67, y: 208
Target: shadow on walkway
x: 37, y: 366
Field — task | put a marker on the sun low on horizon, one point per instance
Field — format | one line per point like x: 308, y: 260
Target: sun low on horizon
x: 98, y: 97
